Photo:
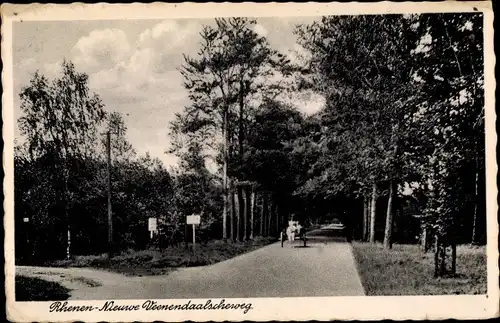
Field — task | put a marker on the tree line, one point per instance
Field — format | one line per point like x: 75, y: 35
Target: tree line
x: 396, y: 152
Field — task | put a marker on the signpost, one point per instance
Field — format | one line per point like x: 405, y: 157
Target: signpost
x: 152, y: 226
x: 193, y: 220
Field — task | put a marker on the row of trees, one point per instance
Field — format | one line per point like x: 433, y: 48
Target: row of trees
x: 61, y: 177
x: 401, y: 135
x: 402, y: 124
x: 404, y: 105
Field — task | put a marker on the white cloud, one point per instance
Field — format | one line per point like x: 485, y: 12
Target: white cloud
x: 101, y: 49
x: 28, y: 64
x: 166, y: 41
x: 53, y: 70
x: 136, y: 73
x: 26, y: 68
x: 167, y: 34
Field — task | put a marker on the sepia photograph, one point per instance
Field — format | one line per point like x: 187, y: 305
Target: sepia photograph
x: 225, y: 159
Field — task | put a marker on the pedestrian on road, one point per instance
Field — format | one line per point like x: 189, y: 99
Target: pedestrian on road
x: 290, y: 231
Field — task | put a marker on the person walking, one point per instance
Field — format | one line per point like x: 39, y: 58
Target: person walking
x: 290, y: 231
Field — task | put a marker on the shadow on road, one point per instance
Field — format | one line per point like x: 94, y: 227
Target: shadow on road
x: 326, y: 236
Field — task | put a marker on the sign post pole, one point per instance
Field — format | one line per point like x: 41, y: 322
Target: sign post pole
x: 152, y: 227
x: 193, y: 220
x: 194, y: 237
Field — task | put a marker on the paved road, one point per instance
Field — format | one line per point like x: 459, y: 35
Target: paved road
x: 324, y: 268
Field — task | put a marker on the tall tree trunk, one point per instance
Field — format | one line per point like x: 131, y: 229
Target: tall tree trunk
x: 245, y: 212
x: 277, y: 217
x: 224, y: 177
x: 373, y: 210
x: 476, y: 200
x: 232, y: 212
x: 366, y: 210
x: 66, y: 212
x: 265, y: 213
x: 237, y: 213
x: 442, y: 260
x: 269, y: 216
x: 185, y: 233
x: 424, y: 237
x: 261, y: 222
x: 453, y: 257
x: 252, y: 209
x: 436, y: 256
x: 390, y: 217
x: 241, y: 131
x: 439, y: 256
x: 110, y: 211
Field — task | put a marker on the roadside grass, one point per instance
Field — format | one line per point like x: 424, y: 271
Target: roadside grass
x: 155, y: 262
x: 36, y: 289
x: 406, y: 270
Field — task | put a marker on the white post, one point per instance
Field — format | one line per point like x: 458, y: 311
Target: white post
x: 194, y: 239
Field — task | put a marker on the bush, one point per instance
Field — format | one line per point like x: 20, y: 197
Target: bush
x: 152, y: 262
x: 38, y: 290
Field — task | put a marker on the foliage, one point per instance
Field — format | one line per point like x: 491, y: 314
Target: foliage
x: 404, y: 109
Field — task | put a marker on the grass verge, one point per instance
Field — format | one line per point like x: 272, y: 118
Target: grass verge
x: 156, y: 262
x: 36, y: 289
x: 406, y: 270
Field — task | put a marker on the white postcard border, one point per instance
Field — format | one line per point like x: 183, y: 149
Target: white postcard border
x: 264, y: 309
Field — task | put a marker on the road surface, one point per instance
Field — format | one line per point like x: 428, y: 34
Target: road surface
x: 324, y: 268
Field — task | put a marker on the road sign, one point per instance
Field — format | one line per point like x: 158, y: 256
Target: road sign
x: 193, y: 219
x: 152, y: 224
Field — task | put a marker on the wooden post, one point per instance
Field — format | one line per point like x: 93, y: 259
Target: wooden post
x: 110, y: 213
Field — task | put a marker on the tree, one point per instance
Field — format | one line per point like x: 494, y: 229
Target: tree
x: 121, y: 149
x: 452, y: 127
x: 232, y: 65
x: 61, y: 118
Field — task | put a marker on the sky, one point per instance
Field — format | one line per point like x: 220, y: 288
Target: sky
x: 133, y: 66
